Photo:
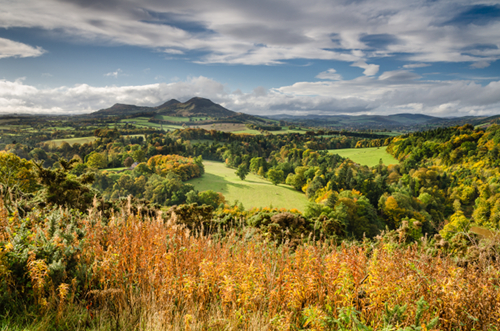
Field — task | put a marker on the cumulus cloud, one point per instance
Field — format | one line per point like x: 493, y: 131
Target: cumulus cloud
x: 370, y: 69
x: 10, y: 48
x: 391, y: 92
x: 270, y: 32
x: 330, y: 74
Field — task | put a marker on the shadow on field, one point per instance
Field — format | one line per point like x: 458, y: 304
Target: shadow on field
x: 219, y: 183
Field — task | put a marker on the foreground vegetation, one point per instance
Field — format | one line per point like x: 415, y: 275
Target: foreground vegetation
x: 140, y: 273
x: 406, y: 246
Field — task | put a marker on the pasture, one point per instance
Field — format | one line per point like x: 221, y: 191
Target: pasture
x: 366, y: 156
x: 254, y: 191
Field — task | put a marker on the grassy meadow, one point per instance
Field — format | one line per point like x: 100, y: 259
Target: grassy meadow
x: 366, y: 156
x: 252, y: 192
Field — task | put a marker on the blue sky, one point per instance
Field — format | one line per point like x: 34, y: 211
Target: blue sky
x: 263, y: 57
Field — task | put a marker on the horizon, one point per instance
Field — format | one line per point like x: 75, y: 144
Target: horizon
x: 262, y: 58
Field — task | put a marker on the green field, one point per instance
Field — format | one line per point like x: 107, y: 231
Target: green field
x: 143, y: 122
x: 366, y: 156
x: 252, y: 192
x: 180, y: 119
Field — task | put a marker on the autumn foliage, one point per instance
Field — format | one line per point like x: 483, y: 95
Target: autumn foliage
x: 185, y: 167
x: 143, y: 273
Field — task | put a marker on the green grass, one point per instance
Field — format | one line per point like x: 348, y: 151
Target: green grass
x: 143, y: 123
x: 115, y: 169
x: 252, y: 192
x: 366, y: 156
x: 179, y: 119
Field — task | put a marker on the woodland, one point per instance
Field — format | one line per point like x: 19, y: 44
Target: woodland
x: 109, y: 235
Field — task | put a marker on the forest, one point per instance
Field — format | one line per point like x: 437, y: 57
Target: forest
x: 110, y: 235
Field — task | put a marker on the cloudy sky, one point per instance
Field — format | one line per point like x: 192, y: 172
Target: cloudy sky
x: 437, y: 57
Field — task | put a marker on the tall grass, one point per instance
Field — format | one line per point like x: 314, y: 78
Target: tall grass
x: 154, y: 274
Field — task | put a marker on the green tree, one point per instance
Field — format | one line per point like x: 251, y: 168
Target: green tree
x: 97, y: 161
x: 138, y: 155
x: 242, y: 171
x: 275, y: 176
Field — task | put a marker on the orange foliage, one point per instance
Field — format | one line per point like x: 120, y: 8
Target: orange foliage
x: 163, y: 265
x: 182, y: 166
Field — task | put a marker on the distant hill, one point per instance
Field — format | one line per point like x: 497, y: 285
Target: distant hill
x: 402, y: 121
x: 194, y: 107
x: 169, y: 103
x: 119, y: 109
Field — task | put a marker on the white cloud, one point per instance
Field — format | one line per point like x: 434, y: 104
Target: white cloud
x: 398, y: 75
x: 10, y: 48
x: 330, y: 74
x: 264, y: 31
x: 370, y: 69
x: 480, y: 65
x: 416, y: 65
x: 114, y: 73
x: 392, y: 92
x: 173, y: 51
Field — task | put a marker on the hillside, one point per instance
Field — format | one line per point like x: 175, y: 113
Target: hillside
x: 119, y: 109
x: 194, y: 107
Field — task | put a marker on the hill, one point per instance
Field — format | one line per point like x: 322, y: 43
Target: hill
x: 119, y: 109
x: 203, y: 110
x: 191, y: 108
x: 404, y: 121
x: 194, y: 107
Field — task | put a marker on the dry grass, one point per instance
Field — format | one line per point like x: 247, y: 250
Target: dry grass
x: 200, y: 282
x: 153, y: 274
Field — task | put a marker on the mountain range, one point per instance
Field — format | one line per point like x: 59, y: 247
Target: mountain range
x: 212, y: 112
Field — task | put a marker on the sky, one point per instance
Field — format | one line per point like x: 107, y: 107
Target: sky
x: 263, y: 57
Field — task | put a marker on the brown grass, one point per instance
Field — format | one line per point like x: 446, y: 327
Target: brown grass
x: 153, y: 274
x: 195, y: 280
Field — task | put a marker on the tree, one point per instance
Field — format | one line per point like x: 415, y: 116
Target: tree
x: 97, y: 161
x: 138, y: 155
x: 275, y: 176
x: 242, y: 171
x: 261, y: 172
x: 128, y: 162
x: 16, y: 178
x: 211, y: 198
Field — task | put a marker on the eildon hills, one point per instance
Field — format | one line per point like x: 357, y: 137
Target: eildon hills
x: 201, y: 110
